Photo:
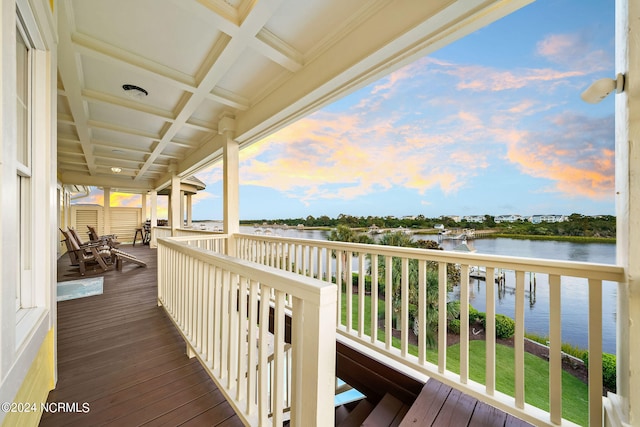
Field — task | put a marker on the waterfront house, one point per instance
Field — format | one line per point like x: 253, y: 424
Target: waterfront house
x: 507, y: 218
x: 136, y: 96
x: 537, y: 219
x: 473, y: 218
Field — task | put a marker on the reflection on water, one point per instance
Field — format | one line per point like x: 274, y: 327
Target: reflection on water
x: 575, y: 302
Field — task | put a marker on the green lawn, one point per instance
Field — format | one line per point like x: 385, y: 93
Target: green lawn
x: 574, y: 392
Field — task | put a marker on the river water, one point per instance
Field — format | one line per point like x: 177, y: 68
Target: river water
x: 574, y: 291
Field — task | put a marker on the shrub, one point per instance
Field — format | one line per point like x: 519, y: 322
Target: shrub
x: 454, y: 326
x: 367, y: 281
x: 474, y: 315
x: 608, y: 369
x: 505, y: 326
x: 453, y: 310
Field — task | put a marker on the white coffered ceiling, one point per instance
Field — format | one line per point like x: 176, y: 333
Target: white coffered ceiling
x: 264, y: 62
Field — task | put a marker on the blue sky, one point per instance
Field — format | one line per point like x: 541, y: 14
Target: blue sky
x: 492, y: 124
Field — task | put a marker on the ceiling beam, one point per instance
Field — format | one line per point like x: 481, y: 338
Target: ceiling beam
x: 258, y: 16
x: 69, y: 69
x: 104, y: 98
x: 108, y: 53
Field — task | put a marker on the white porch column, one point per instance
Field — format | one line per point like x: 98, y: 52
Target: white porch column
x: 624, y: 406
x: 189, y: 210
x: 174, y: 207
x: 145, y: 211
x: 181, y: 208
x: 231, y: 180
x: 154, y: 218
x: 107, y: 210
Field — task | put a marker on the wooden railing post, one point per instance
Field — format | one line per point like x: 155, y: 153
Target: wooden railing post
x: 313, y: 338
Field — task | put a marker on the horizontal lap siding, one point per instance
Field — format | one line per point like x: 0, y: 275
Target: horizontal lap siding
x: 124, y: 222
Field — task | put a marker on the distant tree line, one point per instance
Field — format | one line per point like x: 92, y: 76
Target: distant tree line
x: 575, y: 225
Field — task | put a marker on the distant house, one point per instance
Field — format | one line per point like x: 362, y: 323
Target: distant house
x: 473, y: 218
x: 507, y: 218
x: 455, y: 218
x: 537, y: 219
x: 439, y: 226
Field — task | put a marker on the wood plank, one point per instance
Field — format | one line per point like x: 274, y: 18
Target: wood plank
x: 425, y: 409
x: 384, y: 413
x: 487, y: 416
x: 456, y: 410
x: 512, y: 421
x: 358, y: 415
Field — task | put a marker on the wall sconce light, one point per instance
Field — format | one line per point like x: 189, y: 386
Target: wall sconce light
x: 600, y: 89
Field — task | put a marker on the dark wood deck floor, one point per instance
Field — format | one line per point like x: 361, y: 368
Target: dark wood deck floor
x: 119, y: 353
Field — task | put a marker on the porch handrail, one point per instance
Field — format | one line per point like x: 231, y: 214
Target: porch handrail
x: 329, y: 261
x: 217, y: 301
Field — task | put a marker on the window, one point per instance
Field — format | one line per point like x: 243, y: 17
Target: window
x: 23, y: 166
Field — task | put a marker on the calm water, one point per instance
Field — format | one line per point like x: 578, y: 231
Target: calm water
x: 574, y: 291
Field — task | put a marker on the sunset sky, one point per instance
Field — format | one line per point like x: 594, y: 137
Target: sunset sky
x: 492, y: 124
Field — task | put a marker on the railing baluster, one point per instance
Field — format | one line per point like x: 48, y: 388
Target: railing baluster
x: 518, y: 340
x: 233, y: 313
x: 242, y: 336
x: 327, y: 267
x: 224, y: 310
x: 404, y: 311
x: 319, y: 263
x: 555, y: 345
x: 464, y: 323
x: 278, y: 356
x: 339, y: 255
x: 219, y: 315
x: 442, y: 317
x: 388, y: 301
x: 263, y: 378
x: 349, y: 289
x: 374, y: 298
x: 252, y: 357
x: 490, y: 331
x: 200, y: 305
x: 361, y: 293
x: 303, y: 262
x: 422, y: 311
x: 595, y: 351
x: 209, y: 320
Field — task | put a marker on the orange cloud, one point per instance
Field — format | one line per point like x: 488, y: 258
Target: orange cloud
x: 577, y: 155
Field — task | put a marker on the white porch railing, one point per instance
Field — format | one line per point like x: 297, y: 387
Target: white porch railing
x: 335, y: 261
x: 219, y: 305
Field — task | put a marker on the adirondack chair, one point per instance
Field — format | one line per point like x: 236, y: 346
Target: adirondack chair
x: 88, y: 254
x: 108, y: 239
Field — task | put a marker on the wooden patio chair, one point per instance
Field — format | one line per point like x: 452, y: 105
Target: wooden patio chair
x: 89, y: 254
x: 109, y: 239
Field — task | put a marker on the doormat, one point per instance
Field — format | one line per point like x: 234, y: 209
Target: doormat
x: 80, y: 288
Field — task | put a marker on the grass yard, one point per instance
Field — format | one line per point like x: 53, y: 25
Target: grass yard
x: 574, y: 392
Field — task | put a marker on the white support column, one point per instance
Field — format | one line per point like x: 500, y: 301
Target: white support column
x: 107, y: 210
x: 145, y: 211
x: 174, y: 206
x: 231, y: 180
x: 189, y: 209
x: 623, y: 407
x: 154, y: 218
x: 181, y: 208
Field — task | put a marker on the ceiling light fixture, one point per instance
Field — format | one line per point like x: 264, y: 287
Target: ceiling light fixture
x: 134, y: 91
x: 600, y: 89
x: 116, y: 170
